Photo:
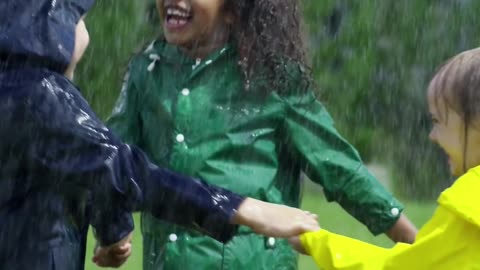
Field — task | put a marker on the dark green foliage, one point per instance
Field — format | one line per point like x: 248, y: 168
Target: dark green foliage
x: 117, y: 29
x: 373, y: 60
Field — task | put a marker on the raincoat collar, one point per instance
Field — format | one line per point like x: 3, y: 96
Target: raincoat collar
x: 462, y: 197
x: 160, y: 49
x: 39, y: 33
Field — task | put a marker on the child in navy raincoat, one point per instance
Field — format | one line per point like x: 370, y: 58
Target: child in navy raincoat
x: 57, y: 157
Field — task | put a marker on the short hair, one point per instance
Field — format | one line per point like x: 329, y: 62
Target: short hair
x: 457, y: 86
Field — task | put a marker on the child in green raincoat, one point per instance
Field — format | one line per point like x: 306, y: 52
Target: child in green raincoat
x: 225, y: 95
x: 451, y: 238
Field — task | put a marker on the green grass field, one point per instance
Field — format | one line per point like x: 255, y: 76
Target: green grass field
x: 331, y: 217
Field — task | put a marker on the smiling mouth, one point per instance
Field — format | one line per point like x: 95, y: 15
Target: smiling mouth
x: 177, y: 17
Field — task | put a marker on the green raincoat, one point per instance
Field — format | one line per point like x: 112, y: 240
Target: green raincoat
x: 195, y: 117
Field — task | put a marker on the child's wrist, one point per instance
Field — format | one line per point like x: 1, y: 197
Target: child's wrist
x: 247, y: 213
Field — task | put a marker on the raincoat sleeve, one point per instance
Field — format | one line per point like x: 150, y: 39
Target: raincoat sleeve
x: 332, y: 162
x: 449, y: 240
x: 443, y: 246
x: 332, y: 251
x: 79, y: 150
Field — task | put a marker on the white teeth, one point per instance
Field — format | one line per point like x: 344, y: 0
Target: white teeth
x: 177, y: 12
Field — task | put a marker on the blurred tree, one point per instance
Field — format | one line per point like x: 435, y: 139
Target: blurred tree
x: 373, y: 60
x: 117, y: 30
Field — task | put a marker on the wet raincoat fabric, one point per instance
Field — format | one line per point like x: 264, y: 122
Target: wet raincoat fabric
x: 194, y: 116
x: 42, y: 34
x: 61, y: 168
x: 449, y: 240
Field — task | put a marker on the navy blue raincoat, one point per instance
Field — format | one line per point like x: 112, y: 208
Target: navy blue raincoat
x: 61, y: 168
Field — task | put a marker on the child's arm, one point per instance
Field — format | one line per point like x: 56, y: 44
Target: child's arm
x: 402, y: 231
x: 332, y: 251
x: 75, y: 149
x: 446, y: 242
x: 332, y: 162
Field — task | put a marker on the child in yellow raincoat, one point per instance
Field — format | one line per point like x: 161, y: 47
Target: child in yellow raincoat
x: 451, y: 238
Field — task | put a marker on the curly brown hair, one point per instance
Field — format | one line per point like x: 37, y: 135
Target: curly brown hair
x: 268, y: 35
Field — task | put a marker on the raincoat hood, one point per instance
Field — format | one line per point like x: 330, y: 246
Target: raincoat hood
x: 462, y: 197
x: 39, y: 33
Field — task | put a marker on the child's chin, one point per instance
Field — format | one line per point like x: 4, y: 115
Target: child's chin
x: 177, y: 41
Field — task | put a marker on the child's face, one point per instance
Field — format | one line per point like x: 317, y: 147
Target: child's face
x: 188, y: 23
x: 448, y: 132
x: 82, y: 40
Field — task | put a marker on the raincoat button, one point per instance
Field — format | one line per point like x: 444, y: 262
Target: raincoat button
x: 173, y: 237
x: 185, y: 91
x: 271, y: 242
x: 180, y: 138
x: 197, y: 62
x: 395, y: 211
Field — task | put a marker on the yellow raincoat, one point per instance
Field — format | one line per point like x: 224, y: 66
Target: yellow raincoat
x: 450, y: 239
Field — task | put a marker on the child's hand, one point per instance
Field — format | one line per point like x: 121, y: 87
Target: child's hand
x: 114, y: 255
x: 297, y: 245
x: 274, y: 219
